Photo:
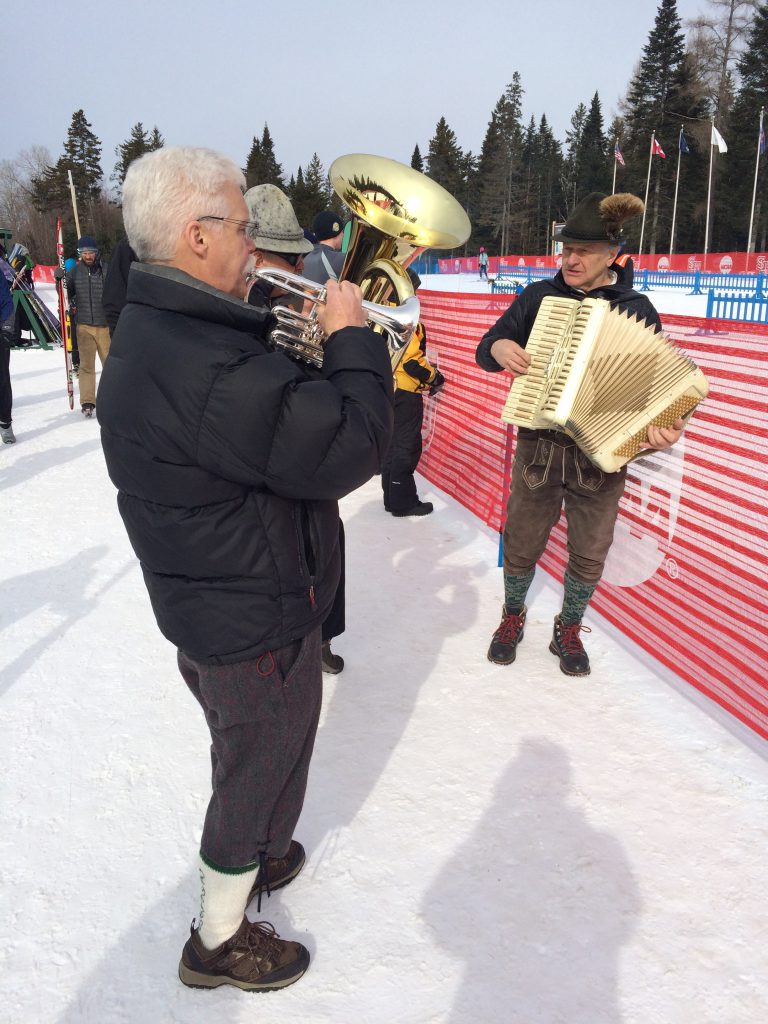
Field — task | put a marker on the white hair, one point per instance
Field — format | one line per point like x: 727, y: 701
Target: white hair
x: 166, y: 189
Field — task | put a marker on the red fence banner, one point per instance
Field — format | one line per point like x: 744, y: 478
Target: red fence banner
x: 712, y: 263
x: 43, y: 275
x: 686, y: 576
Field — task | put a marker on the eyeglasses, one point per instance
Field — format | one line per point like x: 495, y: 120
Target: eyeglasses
x: 291, y: 258
x: 247, y: 225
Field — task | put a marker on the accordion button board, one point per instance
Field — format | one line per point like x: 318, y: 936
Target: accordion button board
x: 602, y: 376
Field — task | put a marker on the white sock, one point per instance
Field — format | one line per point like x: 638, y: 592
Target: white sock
x: 223, y: 899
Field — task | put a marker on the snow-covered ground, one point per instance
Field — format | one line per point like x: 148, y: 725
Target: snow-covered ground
x: 486, y: 845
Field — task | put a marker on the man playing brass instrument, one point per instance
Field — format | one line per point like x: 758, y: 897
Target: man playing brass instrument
x: 229, y: 460
x: 549, y: 470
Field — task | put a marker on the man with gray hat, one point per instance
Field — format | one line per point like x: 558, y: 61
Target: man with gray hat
x: 549, y: 470
x: 326, y: 259
x: 280, y: 243
x: 278, y: 238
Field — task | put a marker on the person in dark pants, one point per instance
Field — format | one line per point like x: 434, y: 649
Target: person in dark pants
x: 550, y: 471
x: 281, y: 243
x: 7, y: 435
x: 413, y: 377
x: 229, y: 460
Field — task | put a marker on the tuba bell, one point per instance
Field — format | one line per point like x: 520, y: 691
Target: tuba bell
x: 397, y: 213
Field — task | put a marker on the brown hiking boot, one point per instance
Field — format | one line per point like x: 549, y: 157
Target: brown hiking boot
x: 566, y: 644
x: 275, y: 872
x: 506, y: 638
x: 255, y: 959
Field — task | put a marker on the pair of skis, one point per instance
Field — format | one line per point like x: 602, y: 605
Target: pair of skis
x: 64, y: 321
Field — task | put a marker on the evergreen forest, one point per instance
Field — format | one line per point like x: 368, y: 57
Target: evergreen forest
x: 712, y: 71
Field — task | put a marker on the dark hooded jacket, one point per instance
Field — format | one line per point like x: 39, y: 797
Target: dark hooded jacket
x: 517, y: 322
x: 229, y: 460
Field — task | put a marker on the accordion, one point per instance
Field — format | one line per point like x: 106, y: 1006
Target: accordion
x: 603, y: 377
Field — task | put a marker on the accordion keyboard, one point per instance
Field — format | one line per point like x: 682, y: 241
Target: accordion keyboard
x: 531, y: 390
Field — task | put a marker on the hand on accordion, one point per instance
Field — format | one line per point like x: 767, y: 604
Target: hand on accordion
x: 664, y: 437
x: 510, y: 356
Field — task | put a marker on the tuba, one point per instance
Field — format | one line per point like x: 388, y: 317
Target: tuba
x: 397, y: 213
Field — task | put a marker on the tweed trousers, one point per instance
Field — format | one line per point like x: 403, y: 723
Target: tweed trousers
x: 550, y: 472
x: 262, y: 715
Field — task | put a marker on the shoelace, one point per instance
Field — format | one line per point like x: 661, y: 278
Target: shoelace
x: 263, y: 879
x: 510, y: 627
x: 261, y: 938
x: 569, y: 639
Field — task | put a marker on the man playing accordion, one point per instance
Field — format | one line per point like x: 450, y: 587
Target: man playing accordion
x: 549, y: 470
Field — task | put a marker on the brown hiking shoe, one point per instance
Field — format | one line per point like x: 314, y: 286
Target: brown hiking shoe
x: 506, y: 638
x: 275, y: 872
x: 566, y: 644
x: 255, y: 959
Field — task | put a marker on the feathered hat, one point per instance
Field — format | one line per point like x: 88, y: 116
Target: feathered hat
x: 600, y: 218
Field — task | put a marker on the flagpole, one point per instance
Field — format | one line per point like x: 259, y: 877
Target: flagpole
x: 645, y: 204
x: 709, y: 194
x: 677, y: 183
x: 615, y: 161
x: 754, y: 188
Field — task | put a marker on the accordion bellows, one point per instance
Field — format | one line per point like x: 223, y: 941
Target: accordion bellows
x: 603, y: 377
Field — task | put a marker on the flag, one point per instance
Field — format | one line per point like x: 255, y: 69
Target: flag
x: 656, y: 149
x: 617, y: 154
x: 683, y: 143
x: 718, y: 140
x: 761, y: 139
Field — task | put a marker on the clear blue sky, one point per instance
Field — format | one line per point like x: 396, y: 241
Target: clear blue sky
x: 333, y: 77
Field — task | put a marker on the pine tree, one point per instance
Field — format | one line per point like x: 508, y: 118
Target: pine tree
x: 82, y: 156
x: 156, y: 140
x: 444, y: 159
x: 594, y: 167
x: 571, y: 168
x: 491, y: 185
x: 261, y: 167
x: 317, y: 192
x: 137, y: 144
x: 743, y: 143
x: 664, y: 91
x: 508, y: 111
x: 417, y: 163
x: 298, y: 195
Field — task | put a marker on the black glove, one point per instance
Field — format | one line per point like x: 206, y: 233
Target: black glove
x: 437, y: 382
x: 59, y: 273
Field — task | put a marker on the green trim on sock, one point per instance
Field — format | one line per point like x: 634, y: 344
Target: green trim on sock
x: 515, y: 591
x: 227, y: 871
x: 576, y: 597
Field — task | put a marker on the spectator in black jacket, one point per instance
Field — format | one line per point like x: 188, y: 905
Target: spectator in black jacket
x: 229, y: 460
x: 116, y: 282
x: 85, y: 289
x: 549, y: 470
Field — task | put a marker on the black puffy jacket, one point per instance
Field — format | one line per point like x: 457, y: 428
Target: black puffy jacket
x: 229, y: 460
x: 85, y: 290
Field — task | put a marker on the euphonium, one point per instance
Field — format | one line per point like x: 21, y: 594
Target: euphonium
x: 397, y: 214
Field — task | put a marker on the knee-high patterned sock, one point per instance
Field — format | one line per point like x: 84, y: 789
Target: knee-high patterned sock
x: 223, y: 899
x: 515, y: 590
x: 576, y: 595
